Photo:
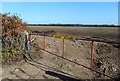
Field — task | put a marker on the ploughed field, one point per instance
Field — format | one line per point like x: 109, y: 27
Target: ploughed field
x: 106, y: 33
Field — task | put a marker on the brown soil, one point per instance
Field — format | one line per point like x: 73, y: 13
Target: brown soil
x: 105, y: 33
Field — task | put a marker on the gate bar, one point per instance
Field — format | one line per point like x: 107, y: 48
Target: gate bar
x: 44, y: 42
x: 63, y: 48
x: 87, y: 39
x: 92, y: 54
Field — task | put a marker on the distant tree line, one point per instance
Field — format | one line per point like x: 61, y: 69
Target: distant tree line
x: 79, y: 25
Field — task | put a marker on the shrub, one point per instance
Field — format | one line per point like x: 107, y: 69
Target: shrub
x: 12, y: 25
x: 12, y: 36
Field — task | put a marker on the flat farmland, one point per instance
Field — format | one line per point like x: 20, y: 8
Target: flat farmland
x: 105, y: 33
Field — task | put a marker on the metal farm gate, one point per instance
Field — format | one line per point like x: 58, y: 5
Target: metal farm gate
x: 72, y: 38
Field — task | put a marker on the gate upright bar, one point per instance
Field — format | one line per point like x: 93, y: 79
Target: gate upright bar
x: 63, y: 48
x: 44, y: 42
x: 92, y: 54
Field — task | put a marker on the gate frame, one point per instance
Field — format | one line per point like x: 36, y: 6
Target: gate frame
x: 92, y: 49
